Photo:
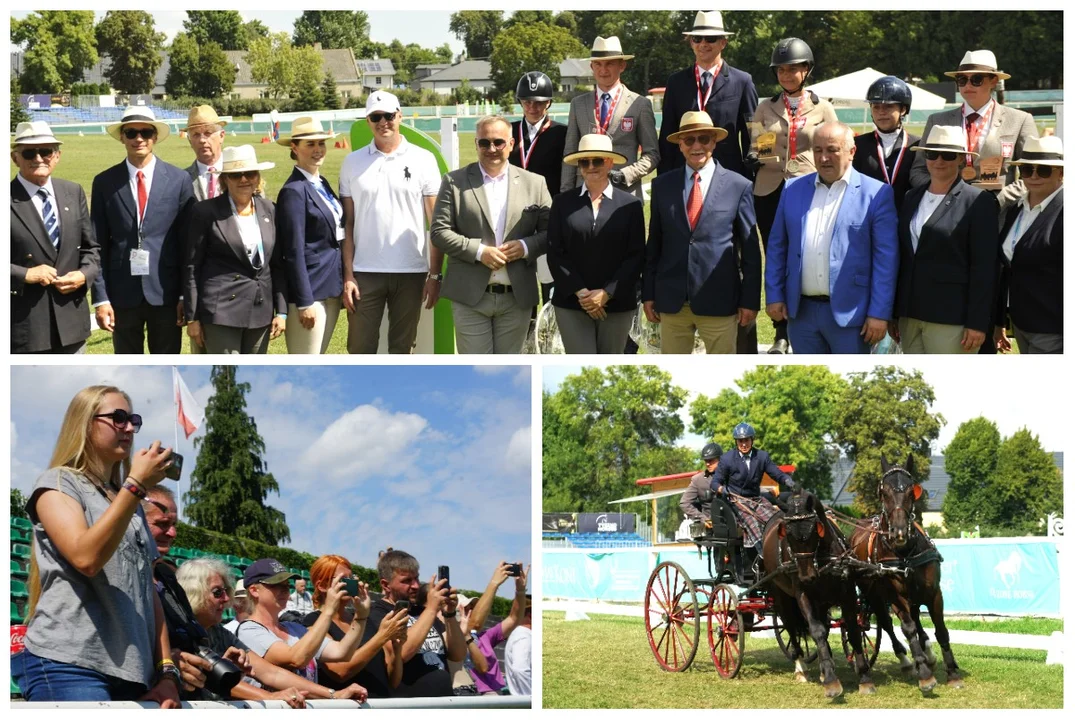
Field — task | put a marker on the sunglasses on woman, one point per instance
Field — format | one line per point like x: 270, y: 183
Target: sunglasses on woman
x: 1043, y: 171
x: 120, y: 418
x: 975, y: 80
x: 146, y: 133
x: 946, y: 156
x: 31, y: 153
x: 584, y: 163
x: 251, y: 174
x: 219, y: 592
x: 486, y: 143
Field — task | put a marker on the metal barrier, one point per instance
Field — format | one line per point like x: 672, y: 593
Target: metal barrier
x: 478, y: 702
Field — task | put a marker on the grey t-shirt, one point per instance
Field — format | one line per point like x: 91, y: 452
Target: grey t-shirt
x: 105, y: 622
x: 259, y: 639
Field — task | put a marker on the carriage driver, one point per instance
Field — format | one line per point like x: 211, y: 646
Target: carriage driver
x: 698, y: 493
x: 738, y: 477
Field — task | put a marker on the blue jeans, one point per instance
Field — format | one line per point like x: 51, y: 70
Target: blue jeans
x: 42, y: 680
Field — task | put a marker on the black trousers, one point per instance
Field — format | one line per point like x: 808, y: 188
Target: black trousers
x: 746, y: 340
x: 156, y: 321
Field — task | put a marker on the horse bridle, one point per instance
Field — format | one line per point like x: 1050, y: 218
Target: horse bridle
x: 896, y: 469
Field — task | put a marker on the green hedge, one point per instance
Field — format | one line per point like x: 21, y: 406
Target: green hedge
x: 235, y: 108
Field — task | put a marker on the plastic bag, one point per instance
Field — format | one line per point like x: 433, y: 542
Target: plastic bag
x: 886, y: 346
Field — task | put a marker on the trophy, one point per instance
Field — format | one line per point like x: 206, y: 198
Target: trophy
x: 989, y: 173
x: 763, y: 143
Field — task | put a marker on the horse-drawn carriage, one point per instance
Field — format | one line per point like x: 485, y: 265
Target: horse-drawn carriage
x: 809, y: 579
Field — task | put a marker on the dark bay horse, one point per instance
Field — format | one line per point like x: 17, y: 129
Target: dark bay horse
x: 802, y: 550
x: 896, y: 540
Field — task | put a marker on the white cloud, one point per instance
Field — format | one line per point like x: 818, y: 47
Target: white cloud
x: 491, y: 369
x: 364, y: 441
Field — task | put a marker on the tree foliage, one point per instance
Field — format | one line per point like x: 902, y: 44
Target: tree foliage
x: 971, y: 462
x: 330, y: 100
x: 605, y: 428
x: 1024, y: 489
x: 18, y: 504
x: 282, y: 66
x: 406, y: 58
x: 791, y: 408
x: 654, y: 37
x: 18, y: 112
x: 477, y: 29
x: 533, y: 46
x: 334, y: 29
x: 223, y: 27
x: 885, y: 411
x: 254, y: 29
x: 230, y: 482
x: 198, y: 70
x: 59, y: 46
x: 133, y: 46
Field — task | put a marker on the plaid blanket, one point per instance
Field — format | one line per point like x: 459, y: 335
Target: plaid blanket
x: 752, y: 513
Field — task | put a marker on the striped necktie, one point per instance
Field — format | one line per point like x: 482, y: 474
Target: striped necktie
x: 48, y: 215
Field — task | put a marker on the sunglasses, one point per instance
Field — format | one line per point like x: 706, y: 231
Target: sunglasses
x: 498, y: 143
x: 219, y: 592
x: 975, y: 80
x: 379, y: 116
x: 31, y: 153
x: 689, y: 140
x: 595, y: 162
x: 1044, y: 171
x: 245, y: 174
x: 120, y: 418
x: 946, y: 156
x: 699, y: 39
x: 146, y: 133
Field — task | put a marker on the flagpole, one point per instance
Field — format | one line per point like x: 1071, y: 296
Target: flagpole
x: 175, y: 421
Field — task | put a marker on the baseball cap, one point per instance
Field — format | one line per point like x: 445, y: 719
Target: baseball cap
x: 381, y: 101
x: 267, y: 571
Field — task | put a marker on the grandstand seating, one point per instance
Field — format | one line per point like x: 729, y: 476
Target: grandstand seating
x: 601, y: 540
x: 58, y: 115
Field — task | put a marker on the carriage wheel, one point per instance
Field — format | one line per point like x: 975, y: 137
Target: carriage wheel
x: 727, y: 634
x: 672, y: 619
x: 783, y: 639
x: 870, y: 631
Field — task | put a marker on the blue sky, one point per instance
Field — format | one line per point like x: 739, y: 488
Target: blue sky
x: 432, y: 460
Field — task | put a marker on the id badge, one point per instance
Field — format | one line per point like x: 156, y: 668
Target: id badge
x: 139, y: 262
x: 339, y: 233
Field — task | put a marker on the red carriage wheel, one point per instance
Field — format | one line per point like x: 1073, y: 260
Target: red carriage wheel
x: 672, y: 617
x: 727, y: 636
x: 870, y: 631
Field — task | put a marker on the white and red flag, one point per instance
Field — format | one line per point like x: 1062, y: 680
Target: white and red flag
x: 189, y: 414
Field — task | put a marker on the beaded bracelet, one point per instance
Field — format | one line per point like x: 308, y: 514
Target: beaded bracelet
x: 137, y: 491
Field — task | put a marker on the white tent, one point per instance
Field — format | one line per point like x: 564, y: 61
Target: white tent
x: 849, y: 91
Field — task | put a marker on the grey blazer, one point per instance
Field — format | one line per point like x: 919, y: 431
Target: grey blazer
x: 462, y: 221
x: 199, y: 192
x: 632, y: 125
x: 1008, y: 126
x: 220, y: 284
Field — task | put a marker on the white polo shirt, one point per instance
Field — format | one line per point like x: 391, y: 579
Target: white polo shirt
x: 388, y: 193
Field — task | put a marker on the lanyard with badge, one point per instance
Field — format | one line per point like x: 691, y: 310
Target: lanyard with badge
x: 524, y: 155
x: 899, y: 158
x: 333, y: 206
x: 602, y: 127
x: 139, y: 255
x: 796, y: 122
x: 702, y: 102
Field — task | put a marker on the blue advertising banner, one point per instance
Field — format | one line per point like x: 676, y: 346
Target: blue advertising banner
x: 1002, y: 576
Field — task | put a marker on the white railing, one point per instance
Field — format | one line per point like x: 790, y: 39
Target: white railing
x: 460, y: 702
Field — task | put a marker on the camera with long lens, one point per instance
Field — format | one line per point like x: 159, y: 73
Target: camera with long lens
x: 222, y: 675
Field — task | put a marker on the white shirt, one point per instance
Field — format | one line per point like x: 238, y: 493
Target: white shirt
x: 1026, y: 218
x: 888, y: 140
x: 926, y: 208
x: 517, y: 661
x: 32, y: 189
x: 967, y: 110
x: 496, y: 195
x: 203, y: 175
x: 820, y: 220
x: 249, y: 231
x: 606, y: 193
x: 302, y: 604
x: 147, y: 179
x: 334, y: 210
x: 598, y: 92
x: 705, y: 175
x: 389, y: 191
x: 532, y: 130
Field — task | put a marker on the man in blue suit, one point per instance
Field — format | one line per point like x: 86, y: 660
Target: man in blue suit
x: 703, y: 260
x: 137, y: 208
x: 833, y: 254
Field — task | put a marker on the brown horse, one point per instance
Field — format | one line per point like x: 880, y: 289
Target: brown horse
x: 800, y: 550
x: 894, y: 539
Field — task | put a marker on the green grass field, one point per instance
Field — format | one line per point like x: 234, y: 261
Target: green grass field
x: 606, y: 662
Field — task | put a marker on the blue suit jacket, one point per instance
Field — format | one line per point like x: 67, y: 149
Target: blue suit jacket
x: 717, y: 266
x: 306, y: 230
x: 863, y: 256
x: 732, y: 472
x: 114, y: 212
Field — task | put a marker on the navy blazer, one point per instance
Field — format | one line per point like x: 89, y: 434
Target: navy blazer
x: 1032, y: 282
x: 952, y: 277
x: 867, y: 163
x: 732, y: 472
x: 603, y: 253
x: 731, y: 105
x: 306, y: 231
x: 717, y: 266
x: 547, y: 157
x: 114, y: 212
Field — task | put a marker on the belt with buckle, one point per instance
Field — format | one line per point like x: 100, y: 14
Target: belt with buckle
x: 498, y: 289
x: 817, y: 298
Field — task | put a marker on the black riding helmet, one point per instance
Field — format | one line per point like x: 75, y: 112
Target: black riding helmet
x: 534, y: 85
x: 890, y: 90
x: 711, y: 451
x: 793, y: 51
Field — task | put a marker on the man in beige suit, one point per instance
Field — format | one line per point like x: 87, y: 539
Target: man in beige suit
x: 205, y: 133
x: 993, y: 130
x: 613, y: 110
x: 490, y: 220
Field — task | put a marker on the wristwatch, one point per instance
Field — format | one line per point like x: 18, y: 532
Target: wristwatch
x: 171, y: 672
x: 331, y: 694
x: 436, y: 276
x: 470, y: 639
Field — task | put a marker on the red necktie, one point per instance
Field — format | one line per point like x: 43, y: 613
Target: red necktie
x: 972, y: 132
x: 212, y: 182
x: 141, y: 196
x: 694, y: 202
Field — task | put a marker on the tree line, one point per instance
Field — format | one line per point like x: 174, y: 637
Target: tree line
x: 603, y: 429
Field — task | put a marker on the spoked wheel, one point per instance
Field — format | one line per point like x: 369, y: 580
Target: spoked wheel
x: 672, y: 620
x: 783, y: 639
x: 727, y: 634
x: 870, y: 631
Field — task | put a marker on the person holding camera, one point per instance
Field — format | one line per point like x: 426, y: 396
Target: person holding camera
x: 291, y: 645
x: 96, y: 627
x: 326, y: 571
x: 430, y: 642
x: 490, y: 680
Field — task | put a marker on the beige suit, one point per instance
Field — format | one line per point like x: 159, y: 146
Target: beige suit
x: 773, y: 117
x: 1008, y: 126
x: 632, y: 125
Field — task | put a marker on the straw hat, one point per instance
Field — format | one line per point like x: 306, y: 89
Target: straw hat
x: 695, y: 121
x: 1048, y: 150
x: 945, y: 138
x: 37, y: 132
x: 595, y: 146
x: 608, y: 49
x: 139, y: 114
x: 241, y: 158
x: 306, y: 128
x: 979, y: 61
x: 708, y: 23
x: 203, y: 115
